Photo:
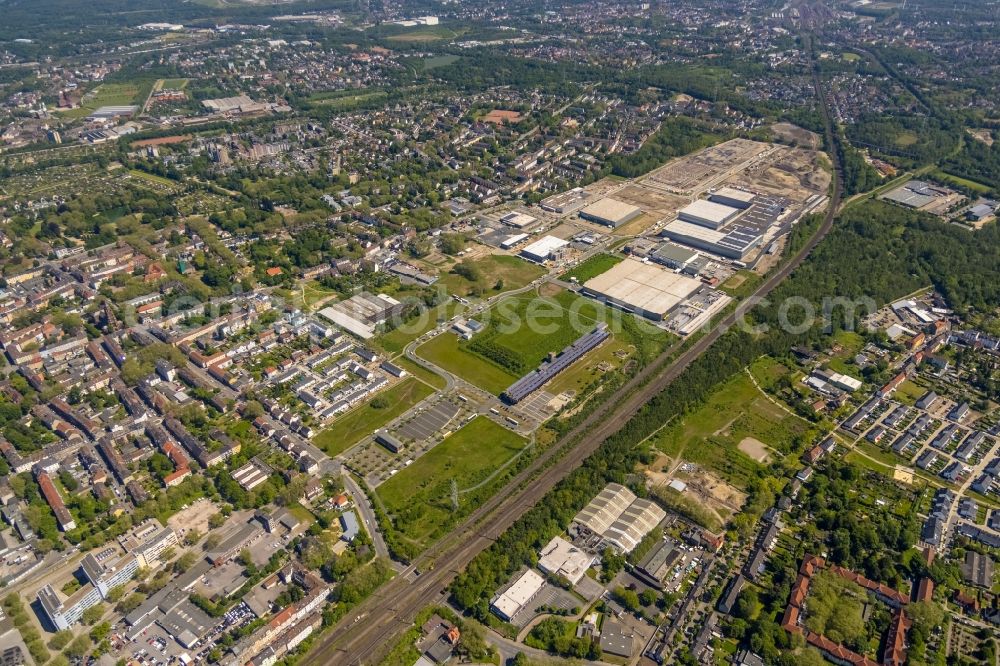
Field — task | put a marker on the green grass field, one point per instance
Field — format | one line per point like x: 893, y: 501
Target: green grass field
x: 153, y: 178
x: 592, y: 267
x: 531, y: 328
x: 710, y: 435
x: 962, y: 182
x: 514, y: 273
x: 741, y: 284
x: 768, y: 371
x: 348, y: 102
x: 433, y: 62
x: 313, y: 292
x: 110, y: 94
x: 357, y: 424
x: 420, y: 372
x: 522, y: 330
x: 582, y: 373
x: 909, y: 392
x: 419, y: 497
x: 446, y: 351
x: 395, y: 341
x: 430, y: 33
x: 906, y: 138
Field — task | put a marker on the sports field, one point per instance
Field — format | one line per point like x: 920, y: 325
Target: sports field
x: 362, y: 421
x: 419, y: 498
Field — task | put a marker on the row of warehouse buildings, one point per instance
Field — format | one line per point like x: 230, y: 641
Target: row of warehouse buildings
x: 615, y: 518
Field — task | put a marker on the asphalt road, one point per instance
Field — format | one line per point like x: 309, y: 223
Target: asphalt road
x: 368, y: 633
x: 363, y: 504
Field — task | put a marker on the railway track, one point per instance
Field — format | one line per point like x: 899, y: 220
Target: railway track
x: 366, y: 635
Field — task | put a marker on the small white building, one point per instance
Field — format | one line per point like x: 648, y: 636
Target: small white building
x: 845, y: 382
x: 515, y: 598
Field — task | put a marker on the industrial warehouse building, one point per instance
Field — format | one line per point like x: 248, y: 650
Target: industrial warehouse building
x: 566, y: 202
x: 619, y: 517
x: 725, y: 230
x: 708, y: 214
x: 915, y: 194
x: 561, y: 558
x: 730, y: 196
x: 610, y: 212
x: 673, y: 256
x: 543, y: 249
x: 644, y: 289
x: 517, y: 219
x: 511, y: 601
x: 362, y: 313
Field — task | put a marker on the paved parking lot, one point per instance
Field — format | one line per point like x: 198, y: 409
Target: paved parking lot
x: 551, y: 597
x: 262, y: 549
x: 428, y: 422
x: 589, y: 588
x: 536, y: 407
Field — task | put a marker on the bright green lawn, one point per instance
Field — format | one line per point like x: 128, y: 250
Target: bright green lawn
x: 395, y: 341
x: 420, y: 372
x: 592, y: 267
x: 357, y: 424
x: 527, y: 328
x: 445, y: 352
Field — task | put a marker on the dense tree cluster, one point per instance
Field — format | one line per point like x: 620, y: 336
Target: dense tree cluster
x: 677, y: 136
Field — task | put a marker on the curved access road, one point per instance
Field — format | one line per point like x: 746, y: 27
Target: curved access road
x: 368, y: 633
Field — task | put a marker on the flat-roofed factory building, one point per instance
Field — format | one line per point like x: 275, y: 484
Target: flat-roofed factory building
x: 543, y: 249
x: 726, y: 231
x: 517, y: 219
x: 561, y: 558
x: 730, y: 196
x: 673, y: 256
x: 645, y: 289
x: 519, y: 594
x: 362, y: 313
x: 566, y: 202
x: 708, y: 214
x: 610, y: 212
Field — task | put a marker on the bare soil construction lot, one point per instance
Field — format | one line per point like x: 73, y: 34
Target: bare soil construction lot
x: 756, y: 449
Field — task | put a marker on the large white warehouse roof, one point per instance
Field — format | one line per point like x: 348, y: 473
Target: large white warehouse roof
x: 707, y: 213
